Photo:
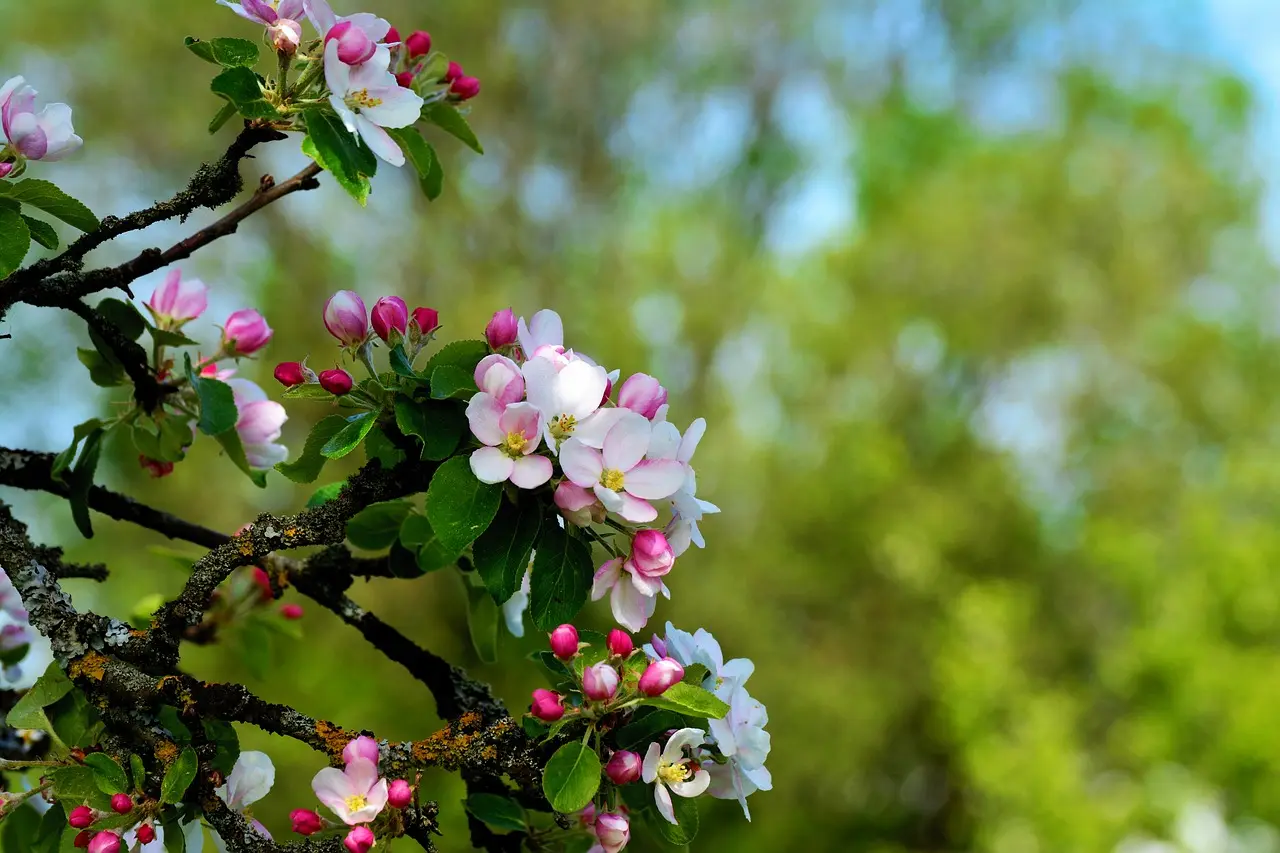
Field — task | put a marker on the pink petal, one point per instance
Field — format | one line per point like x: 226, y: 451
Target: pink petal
x: 648, y: 587
x: 635, y: 510
x: 626, y: 443
x: 378, y: 140
x: 484, y: 414
x: 525, y: 419
x: 581, y: 464
x: 491, y: 465
x: 606, y: 577
x: 332, y: 787
x: 592, y: 431
x: 655, y: 479
x: 531, y: 471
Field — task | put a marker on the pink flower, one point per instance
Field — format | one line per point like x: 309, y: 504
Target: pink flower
x: 418, y: 43
x: 356, y: 794
x: 177, y: 301
x: 354, y: 45
x: 281, y: 22
x: 621, y: 477
x: 305, y: 821
x: 624, y: 767
x: 390, y: 314
x: 368, y: 99
x: 547, y: 705
x: 245, y: 332
x: 578, y: 505
x: 46, y: 136
x: 362, y: 747
x: 500, y: 378
x: 630, y: 603
x: 600, y: 682
x: 564, y: 642
x: 345, y: 318
x: 643, y: 394
x: 620, y: 643
x: 502, y: 330
x: 359, y: 840
x: 362, y: 29
x: 399, y: 794
x: 511, y: 435
x: 259, y: 424
x: 660, y: 675
x: 613, y: 831
x: 105, y: 842
x: 651, y: 558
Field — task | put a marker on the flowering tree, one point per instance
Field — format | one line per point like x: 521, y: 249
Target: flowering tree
x: 510, y: 458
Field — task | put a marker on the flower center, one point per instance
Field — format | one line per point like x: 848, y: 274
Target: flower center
x: 355, y: 802
x: 514, y: 445
x: 670, y: 774
x: 562, y: 426
x: 362, y: 100
x: 611, y: 479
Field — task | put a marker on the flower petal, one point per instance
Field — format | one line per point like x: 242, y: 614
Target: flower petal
x: 605, y: 578
x: 491, y: 465
x: 693, y: 787
x: 399, y: 107
x: 653, y: 479
x: 531, y: 471
x: 649, y: 770
x: 332, y: 787
x: 580, y: 388
x: 692, y: 436
x: 592, y: 431
x: 634, y: 510
x: 336, y: 72
x: 250, y: 780
x: 626, y: 443
x: 662, y: 797
x: 483, y: 414
x: 665, y: 441
x: 580, y: 463
x: 674, y: 750
x: 379, y: 141
x: 631, y: 609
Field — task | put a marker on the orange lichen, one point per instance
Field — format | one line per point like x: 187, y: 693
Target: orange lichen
x: 246, y: 547
x: 167, y: 752
x: 335, y: 738
x: 89, y: 665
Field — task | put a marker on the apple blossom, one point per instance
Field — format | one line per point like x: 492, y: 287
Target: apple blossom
x: 613, y: 831
x: 567, y: 390
x: 741, y: 737
x: 305, y: 821
x: 502, y: 330
x: 121, y: 803
x: 643, y: 394
x: 659, y: 676
x: 336, y: 381
x: 361, y: 747
x: 389, y: 315
x: 346, y: 319
x: 671, y: 772
x: 177, y: 300
x: 245, y: 332
x: 651, y: 559
x: 547, y: 705
x: 701, y: 647
x: 545, y: 328
x: 359, y: 840
x: 250, y: 780
x: 510, y: 434
x: 600, y: 682
x: 500, y: 378
x: 399, y: 794
x: 621, y: 477
x: 631, y: 603
x: 356, y: 795
x: 624, y: 767
x: 370, y: 28
x: 667, y: 443
x: 620, y: 643
x: 367, y: 98
x: 280, y: 19
x: 577, y: 505
x: 81, y: 817
x: 44, y: 136
x: 259, y: 424
x: 564, y: 642
x: 105, y: 842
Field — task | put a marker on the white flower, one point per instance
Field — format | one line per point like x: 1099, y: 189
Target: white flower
x: 568, y: 390
x: 258, y: 424
x: 367, y: 98
x: 250, y: 780
x: 670, y: 771
x: 621, y: 477
x: 701, y: 647
x: 741, y: 738
x: 667, y: 443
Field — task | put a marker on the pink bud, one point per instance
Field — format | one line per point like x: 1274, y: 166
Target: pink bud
x: 393, y: 36
x: 289, y: 374
x: 359, y: 840
x: 642, y: 393
x: 620, y: 643
x: 104, y: 842
x: 624, y: 767
x: 418, y: 43
x: 503, y: 329
x: 245, y: 332
x: 659, y: 646
x: 285, y: 35
x: 500, y: 377
x: 613, y: 831
x: 660, y: 675
x: 362, y: 747
x: 547, y: 705
x: 81, y: 817
x: 6, y: 168
x: 263, y: 581
x: 399, y: 794
x: 452, y: 73
x: 600, y: 682
x: 587, y: 817
x: 651, y: 554
x: 121, y: 803
x: 157, y: 468
x: 389, y: 313
x: 405, y: 79
x: 578, y: 505
x: 291, y: 611
x: 427, y: 319
x: 345, y: 318
x: 305, y: 821
x: 82, y: 838
x: 465, y: 88
x: 608, y: 391
x: 146, y: 833
x: 354, y: 45
x: 336, y: 381
x: 564, y: 642
x: 177, y: 301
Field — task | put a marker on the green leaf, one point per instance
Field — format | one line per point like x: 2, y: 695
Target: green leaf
x: 123, y: 316
x: 464, y: 355
x: 179, y: 776
x: 42, y: 232
x: 501, y: 553
x: 430, y: 554
x: 242, y: 87
x: 497, y: 811
x: 48, y: 839
x: 683, y: 833
x: 175, y: 437
x: 107, y: 773
x: 439, y: 425
x: 349, y: 437
x: 169, y: 718
x: 77, y: 784
x: 224, y: 736
x: 103, y: 372
x: 571, y: 777
x: 459, y: 506
x: 451, y: 122
x: 450, y: 382
x: 340, y: 153
x: 647, y: 727
x: 175, y: 839
x: 325, y: 493
x: 562, y: 574
x: 217, y: 404
x: 378, y: 525
x: 168, y: 338
x: 20, y: 828
x: 15, y: 238
x: 63, y: 460
x: 308, y: 392
x: 377, y: 445
x: 688, y: 699
x: 80, y: 480
x: 482, y: 623
x: 423, y: 159
x: 43, y: 195
x: 231, y: 445
x: 400, y: 365
x: 227, y: 52
x: 223, y: 116
x: 137, y: 771
x: 307, y: 467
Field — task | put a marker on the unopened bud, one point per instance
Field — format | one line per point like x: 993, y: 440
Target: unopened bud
x: 405, y: 79
x: 305, y: 821
x: 291, y: 373
x: 547, y: 705
x: 81, y: 817
x: 600, y: 682
x: 453, y: 73
x: 564, y: 642
x: 399, y: 794
x: 426, y: 319
x: 336, y: 381
x: 503, y: 329
x: 624, y: 767
x: 146, y: 833
x: 82, y: 838
x: 121, y: 803
x: 291, y: 611
x: 362, y: 747
x: 245, y: 332
x: 104, y: 842
x: 620, y: 643
x: 465, y: 88
x: 359, y: 840
x: 418, y: 43
x: 659, y: 676
x: 263, y: 582
x: 390, y: 318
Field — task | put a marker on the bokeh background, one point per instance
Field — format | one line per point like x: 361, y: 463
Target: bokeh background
x: 978, y: 297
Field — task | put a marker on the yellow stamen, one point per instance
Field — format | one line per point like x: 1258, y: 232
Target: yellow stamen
x: 362, y: 99
x: 355, y: 802
x: 562, y: 426
x: 514, y: 445
x: 611, y: 479
x: 672, y: 773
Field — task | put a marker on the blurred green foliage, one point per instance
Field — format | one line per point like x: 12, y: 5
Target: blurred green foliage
x: 996, y: 454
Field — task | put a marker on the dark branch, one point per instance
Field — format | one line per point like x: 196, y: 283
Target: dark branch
x: 147, y: 390
x: 51, y: 559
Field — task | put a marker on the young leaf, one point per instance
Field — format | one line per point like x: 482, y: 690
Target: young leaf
x: 449, y: 381
x: 423, y: 159
x: 137, y: 772
x: 464, y: 355
x: 15, y: 238
x: 227, y: 52
x: 417, y: 535
x: 28, y: 712
x: 327, y: 492
x: 451, y: 122
x: 482, y: 623
x: 561, y: 578
x: 337, y: 151
x: 243, y: 88
x: 378, y: 525
x: 400, y: 365
x: 228, y: 745
x: 107, y: 773
x: 459, y: 506
x: 179, y: 776
x: 42, y: 232
x: 218, y: 412
x: 307, y: 467
x: 20, y: 827
x: 168, y: 338
x: 77, y: 784
x: 439, y: 425
x: 80, y: 480
x: 43, y: 195
x: 499, y: 812
x: 349, y: 437
x: 571, y: 777
x: 690, y: 700
x: 63, y: 460
x: 501, y: 553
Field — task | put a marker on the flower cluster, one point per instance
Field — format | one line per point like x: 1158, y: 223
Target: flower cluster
x: 356, y: 795
x: 30, y: 135
x: 541, y: 406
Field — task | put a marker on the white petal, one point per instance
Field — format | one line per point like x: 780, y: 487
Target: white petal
x: 491, y: 465
x: 336, y: 72
x: 662, y: 798
x: 649, y: 770
x: 653, y: 479
x: 540, y: 385
x: 580, y: 388
x: 592, y: 431
x: 546, y: 329
x: 531, y: 471
x: 630, y: 608
x: 379, y: 141
x: 692, y: 436
x: 580, y: 463
x: 400, y: 107
x: 664, y: 443
x: 633, y: 509
x: 483, y: 414
x: 674, y: 750
x: 250, y: 780
x: 693, y: 787
x: 626, y: 443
